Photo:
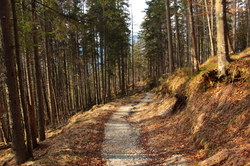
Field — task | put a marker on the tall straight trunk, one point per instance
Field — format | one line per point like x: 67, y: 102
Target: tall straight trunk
x: 95, y: 84
x: 102, y: 68
x: 212, y: 20
x: 88, y: 87
x: 5, y: 108
x: 30, y: 88
x: 3, y: 124
x: 213, y: 24
x: 1, y: 132
x: 194, y: 56
x: 119, y: 71
x: 67, y: 81
x: 115, y: 83
x: 10, y: 63
x: 30, y: 99
x: 97, y: 78
x: 221, y: 40
x: 132, y: 51
x: 234, y: 24
x: 248, y: 23
x: 210, y: 29
x: 203, y: 52
x: 105, y: 63
x: 197, y: 33
x: 94, y: 80
x: 95, y: 56
x: 188, y: 57
x: 50, y: 85
x: 178, y: 54
x: 123, y: 73
x: 41, y: 121
x: 169, y: 34
x: 229, y: 46
x: 48, y: 61
x: 21, y: 80
x: 109, y: 81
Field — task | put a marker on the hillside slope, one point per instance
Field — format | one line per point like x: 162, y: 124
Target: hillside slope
x: 201, y: 117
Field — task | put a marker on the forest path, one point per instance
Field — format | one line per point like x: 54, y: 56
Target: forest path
x: 121, y: 142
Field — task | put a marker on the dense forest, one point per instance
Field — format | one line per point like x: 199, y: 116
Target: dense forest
x: 61, y: 57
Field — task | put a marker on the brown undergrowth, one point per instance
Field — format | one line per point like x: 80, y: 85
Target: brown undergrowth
x: 202, y: 117
x: 80, y: 141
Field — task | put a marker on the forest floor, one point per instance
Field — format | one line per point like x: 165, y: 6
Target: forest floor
x: 77, y: 143
x: 200, y: 117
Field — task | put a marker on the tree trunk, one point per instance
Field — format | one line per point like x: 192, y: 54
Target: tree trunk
x: 132, y: 51
x: 2, y: 132
x: 221, y: 41
x: 234, y: 24
x: 18, y: 131
x: 29, y: 85
x: 41, y: 121
x: 6, y: 108
x: 48, y: 61
x: 21, y: 81
x: 188, y: 57
x: 210, y: 29
x: 169, y: 34
x: 194, y: 56
x: 30, y: 99
x: 229, y: 47
x: 123, y: 89
x: 178, y: 54
x: 248, y: 23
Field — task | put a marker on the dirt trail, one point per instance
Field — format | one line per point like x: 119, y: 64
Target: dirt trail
x: 121, y: 142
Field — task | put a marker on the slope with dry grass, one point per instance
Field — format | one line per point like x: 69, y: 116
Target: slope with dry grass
x: 200, y: 116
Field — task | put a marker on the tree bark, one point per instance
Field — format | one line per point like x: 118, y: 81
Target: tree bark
x: 21, y: 81
x: 2, y: 132
x: 234, y: 24
x: 132, y: 51
x: 194, y: 56
x: 41, y: 121
x: 248, y: 23
x: 178, y: 54
x: 221, y: 40
x: 169, y: 34
x: 18, y: 131
x: 210, y: 29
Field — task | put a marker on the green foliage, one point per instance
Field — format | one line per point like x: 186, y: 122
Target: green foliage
x: 25, y: 26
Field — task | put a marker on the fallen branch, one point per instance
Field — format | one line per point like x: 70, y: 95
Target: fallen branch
x: 5, y: 147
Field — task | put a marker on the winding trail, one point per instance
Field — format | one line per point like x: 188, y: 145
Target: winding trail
x: 121, y: 142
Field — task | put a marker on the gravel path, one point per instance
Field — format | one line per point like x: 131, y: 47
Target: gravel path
x: 121, y: 142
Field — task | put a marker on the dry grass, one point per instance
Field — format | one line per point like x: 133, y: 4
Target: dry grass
x: 6, y: 155
x: 216, y: 117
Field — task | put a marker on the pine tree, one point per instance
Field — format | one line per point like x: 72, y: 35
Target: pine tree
x: 10, y: 62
